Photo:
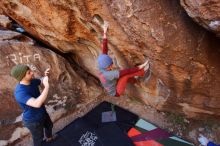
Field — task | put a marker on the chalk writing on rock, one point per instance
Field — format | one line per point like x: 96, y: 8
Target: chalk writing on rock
x: 20, y: 58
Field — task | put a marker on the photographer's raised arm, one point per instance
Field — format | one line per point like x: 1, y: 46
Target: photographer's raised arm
x: 37, y: 102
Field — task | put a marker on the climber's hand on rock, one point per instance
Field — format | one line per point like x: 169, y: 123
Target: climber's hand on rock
x: 105, y: 26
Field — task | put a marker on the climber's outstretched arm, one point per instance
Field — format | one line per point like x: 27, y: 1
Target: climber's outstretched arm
x: 105, y: 41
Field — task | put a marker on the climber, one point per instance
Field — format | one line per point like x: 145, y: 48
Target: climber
x: 205, y: 142
x: 28, y: 96
x: 114, y: 81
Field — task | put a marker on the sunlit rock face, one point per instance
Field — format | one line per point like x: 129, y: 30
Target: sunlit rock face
x: 185, y: 58
x: 4, y: 21
x: 204, y: 12
x: 67, y: 88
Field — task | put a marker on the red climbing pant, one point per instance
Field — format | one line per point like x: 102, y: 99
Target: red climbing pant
x: 122, y: 81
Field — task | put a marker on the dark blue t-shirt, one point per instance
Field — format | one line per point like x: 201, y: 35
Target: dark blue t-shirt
x: 212, y: 144
x: 22, y: 94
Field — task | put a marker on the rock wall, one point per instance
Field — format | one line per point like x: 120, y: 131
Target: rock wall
x: 185, y: 58
x: 204, y: 12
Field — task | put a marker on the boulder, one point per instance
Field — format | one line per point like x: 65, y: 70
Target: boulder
x: 205, y: 12
x: 184, y: 58
x: 4, y: 21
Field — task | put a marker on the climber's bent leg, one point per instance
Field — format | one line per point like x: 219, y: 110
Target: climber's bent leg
x: 122, y: 81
